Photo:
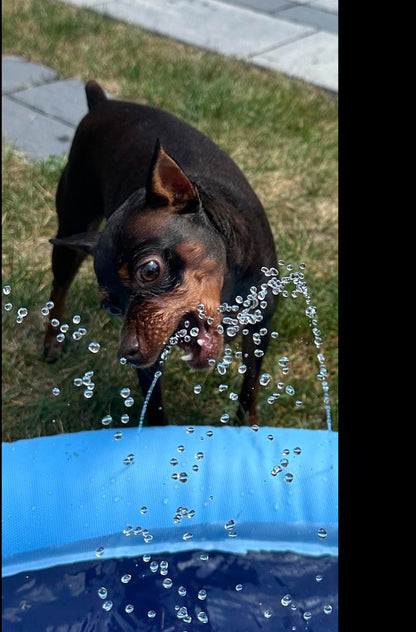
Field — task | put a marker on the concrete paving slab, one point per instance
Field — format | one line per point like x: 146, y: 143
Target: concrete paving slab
x: 313, y: 59
x: 64, y: 100
x: 322, y: 20
x: 19, y: 74
x: 263, y: 6
x: 213, y: 25
x: 34, y: 134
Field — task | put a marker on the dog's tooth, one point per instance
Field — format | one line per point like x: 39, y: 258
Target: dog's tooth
x: 187, y: 357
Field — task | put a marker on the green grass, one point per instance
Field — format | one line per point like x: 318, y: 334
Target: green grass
x: 281, y: 132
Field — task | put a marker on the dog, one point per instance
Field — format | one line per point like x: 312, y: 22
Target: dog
x: 184, y: 234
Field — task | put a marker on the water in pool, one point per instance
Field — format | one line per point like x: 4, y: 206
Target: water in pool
x: 211, y: 591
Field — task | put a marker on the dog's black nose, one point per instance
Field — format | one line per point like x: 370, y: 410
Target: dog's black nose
x: 129, y: 349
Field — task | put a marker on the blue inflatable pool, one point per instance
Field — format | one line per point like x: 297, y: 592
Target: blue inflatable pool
x: 77, y: 497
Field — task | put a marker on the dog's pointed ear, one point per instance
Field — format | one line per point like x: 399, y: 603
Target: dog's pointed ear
x: 82, y: 241
x: 167, y: 184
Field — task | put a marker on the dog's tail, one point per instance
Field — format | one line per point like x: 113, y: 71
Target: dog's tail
x: 94, y: 93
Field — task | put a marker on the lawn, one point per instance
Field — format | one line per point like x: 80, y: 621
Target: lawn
x: 282, y: 132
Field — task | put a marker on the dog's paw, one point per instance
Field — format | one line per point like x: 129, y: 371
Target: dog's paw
x: 52, y: 348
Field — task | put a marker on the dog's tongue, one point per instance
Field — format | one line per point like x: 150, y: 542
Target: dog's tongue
x: 203, y: 347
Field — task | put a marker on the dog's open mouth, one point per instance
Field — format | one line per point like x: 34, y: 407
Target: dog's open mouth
x: 199, y: 339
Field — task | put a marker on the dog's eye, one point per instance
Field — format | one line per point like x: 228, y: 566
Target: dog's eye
x: 149, y: 271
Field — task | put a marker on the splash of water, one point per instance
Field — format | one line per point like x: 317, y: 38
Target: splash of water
x: 146, y: 401
x: 248, y: 311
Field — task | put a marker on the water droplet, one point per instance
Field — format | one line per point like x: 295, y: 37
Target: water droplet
x: 54, y: 322
x: 327, y: 608
x: 225, y: 418
x: 319, y: 578
x: 239, y: 587
x: 222, y: 387
x: 182, y: 591
x: 202, y: 617
x: 50, y: 304
x: 124, y: 418
x: 286, y: 600
x: 181, y: 448
x: 307, y: 615
x: 284, y: 462
x: 183, y: 477
x: 221, y: 368
x: 154, y: 567
x: 297, y: 450
x: 143, y: 510
x: 8, y: 307
x: 290, y: 390
x: 6, y: 290
x: 233, y: 397
x: 190, y: 430
x: 99, y: 551
x: 187, y: 536
x: 44, y: 311
x: 126, y: 578
x: 107, y: 605
x: 197, y: 389
x: 202, y: 594
x: 77, y: 381
x: 151, y: 614
x: 199, y: 456
x: 265, y: 379
x: 130, y: 458
x: 94, y: 347
x: 56, y: 391
x: 123, y: 360
x: 76, y: 335
x: 64, y: 328
x: 129, y: 608
x: 88, y: 394
x: 125, y: 392
x: 129, y: 401
x: 22, y: 311
x: 276, y: 470
x: 322, y: 534
x: 204, y: 557
x: 310, y: 311
x: 242, y: 368
x: 258, y: 353
x: 229, y: 525
x: 102, y: 592
x: 268, y: 614
x: 106, y: 421
x: 76, y: 319
x: 174, y: 462
x: 209, y: 433
x: 167, y: 583
x: 288, y: 477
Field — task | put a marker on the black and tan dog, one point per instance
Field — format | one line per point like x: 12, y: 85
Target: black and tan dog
x: 185, y: 232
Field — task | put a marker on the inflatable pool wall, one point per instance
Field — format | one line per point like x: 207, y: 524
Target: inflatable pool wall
x: 72, y: 497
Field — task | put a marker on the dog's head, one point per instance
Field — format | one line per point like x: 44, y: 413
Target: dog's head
x: 161, y: 265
